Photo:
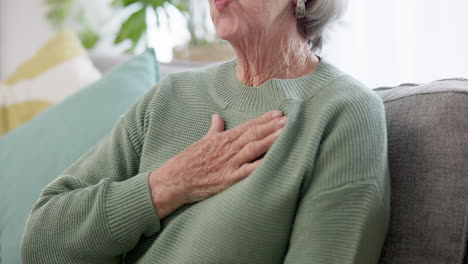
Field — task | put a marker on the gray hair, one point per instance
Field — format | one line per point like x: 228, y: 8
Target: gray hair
x: 319, y: 15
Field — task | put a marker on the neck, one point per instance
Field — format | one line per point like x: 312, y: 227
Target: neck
x: 261, y: 58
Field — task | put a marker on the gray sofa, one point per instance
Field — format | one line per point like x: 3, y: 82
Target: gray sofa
x: 427, y: 128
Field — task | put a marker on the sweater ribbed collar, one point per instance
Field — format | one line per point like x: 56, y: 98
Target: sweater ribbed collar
x: 230, y: 93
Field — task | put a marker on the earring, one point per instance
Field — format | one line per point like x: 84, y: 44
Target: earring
x: 300, y: 9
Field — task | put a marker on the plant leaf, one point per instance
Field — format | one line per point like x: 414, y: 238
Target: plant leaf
x: 157, y: 3
x: 89, y: 38
x: 129, y: 2
x: 59, y: 11
x: 116, y: 3
x: 133, y: 28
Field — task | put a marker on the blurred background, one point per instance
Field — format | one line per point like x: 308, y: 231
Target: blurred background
x: 381, y: 43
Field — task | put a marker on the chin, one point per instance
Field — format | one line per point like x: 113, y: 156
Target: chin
x: 227, y: 27
x: 227, y: 33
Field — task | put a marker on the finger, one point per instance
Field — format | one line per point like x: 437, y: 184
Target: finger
x: 217, y: 124
x: 255, y: 149
x: 245, y: 170
x: 265, y: 118
x: 261, y: 131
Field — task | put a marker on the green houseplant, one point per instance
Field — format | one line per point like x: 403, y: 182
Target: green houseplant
x: 65, y: 12
x: 88, y: 17
x: 135, y: 26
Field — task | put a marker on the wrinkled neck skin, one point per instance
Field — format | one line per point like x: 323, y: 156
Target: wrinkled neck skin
x: 282, y: 54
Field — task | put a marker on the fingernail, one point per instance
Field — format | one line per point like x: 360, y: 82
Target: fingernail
x: 282, y: 121
x: 277, y: 114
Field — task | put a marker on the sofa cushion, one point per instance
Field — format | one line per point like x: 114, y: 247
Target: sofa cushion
x: 427, y: 129
x: 33, y: 155
x: 57, y: 70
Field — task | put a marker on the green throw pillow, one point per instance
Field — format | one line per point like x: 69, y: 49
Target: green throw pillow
x: 34, y: 154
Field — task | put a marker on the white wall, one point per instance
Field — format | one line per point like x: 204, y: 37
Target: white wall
x: 23, y: 30
x: 385, y: 43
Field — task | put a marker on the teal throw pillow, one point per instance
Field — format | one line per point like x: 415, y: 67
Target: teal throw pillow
x: 34, y: 154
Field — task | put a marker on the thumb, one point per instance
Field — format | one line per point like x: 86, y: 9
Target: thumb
x: 217, y: 124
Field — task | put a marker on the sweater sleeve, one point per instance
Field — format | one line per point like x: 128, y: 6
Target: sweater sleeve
x: 100, y: 206
x: 343, y: 211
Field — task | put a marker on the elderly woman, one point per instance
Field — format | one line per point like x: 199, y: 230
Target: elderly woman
x: 292, y: 168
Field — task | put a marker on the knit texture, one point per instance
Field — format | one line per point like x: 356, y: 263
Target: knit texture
x: 321, y: 194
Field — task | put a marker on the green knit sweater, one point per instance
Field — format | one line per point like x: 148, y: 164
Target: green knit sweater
x: 321, y: 194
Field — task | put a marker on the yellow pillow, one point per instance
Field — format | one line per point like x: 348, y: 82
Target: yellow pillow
x: 59, y: 68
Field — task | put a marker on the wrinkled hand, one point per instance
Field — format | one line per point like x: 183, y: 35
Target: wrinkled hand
x: 214, y: 163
